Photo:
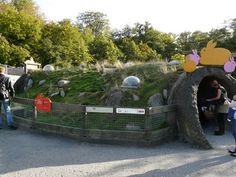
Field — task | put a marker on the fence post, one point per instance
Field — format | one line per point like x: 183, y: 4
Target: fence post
x: 171, y: 117
x: 114, y: 113
x: 85, y: 122
x: 35, y: 113
x: 147, y: 123
x: 34, y: 117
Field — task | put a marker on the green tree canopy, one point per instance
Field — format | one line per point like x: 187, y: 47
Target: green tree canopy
x: 27, y: 6
x: 11, y: 54
x: 62, y: 44
x: 96, y: 21
x: 103, y: 48
x: 20, y: 28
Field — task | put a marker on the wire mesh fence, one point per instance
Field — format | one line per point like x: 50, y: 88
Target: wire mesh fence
x: 72, y: 119
x: 106, y: 121
x: 22, y: 110
x: 124, y: 119
x: 158, y: 121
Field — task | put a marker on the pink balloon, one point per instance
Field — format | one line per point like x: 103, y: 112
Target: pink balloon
x: 230, y: 65
x: 194, y: 57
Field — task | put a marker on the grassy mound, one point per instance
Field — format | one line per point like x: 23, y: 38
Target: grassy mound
x: 91, y: 87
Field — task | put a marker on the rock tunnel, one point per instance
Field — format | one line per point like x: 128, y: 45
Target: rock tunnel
x: 184, y: 94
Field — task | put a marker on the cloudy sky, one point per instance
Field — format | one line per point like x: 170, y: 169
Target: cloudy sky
x: 165, y: 15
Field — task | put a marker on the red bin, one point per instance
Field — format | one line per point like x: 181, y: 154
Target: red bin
x: 47, y: 104
x: 43, y: 104
x: 38, y: 102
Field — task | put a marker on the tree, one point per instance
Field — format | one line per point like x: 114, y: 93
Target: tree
x: 19, y: 28
x: 96, y: 21
x: 199, y: 40
x: 27, y: 6
x: 232, y: 25
x: 147, y: 53
x: 4, y: 50
x: 5, y: 1
x: 178, y: 57
x: 12, y: 54
x: 103, y: 48
x: 183, y: 43
x: 228, y: 39
x: 161, y: 43
x: 62, y: 44
x: 130, y: 50
x: 87, y: 35
x: 137, y: 52
x: 220, y: 36
x: 20, y: 33
x: 18, y: 55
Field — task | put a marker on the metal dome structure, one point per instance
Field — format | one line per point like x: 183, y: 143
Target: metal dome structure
x: 48, y: 68
x: 131, y: 82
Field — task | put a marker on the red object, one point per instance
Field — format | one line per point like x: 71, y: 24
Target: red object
x: 43, y: 104
x: 47, y: 104
x: 38, y: 102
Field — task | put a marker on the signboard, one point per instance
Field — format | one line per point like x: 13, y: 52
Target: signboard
x: 99, y: 109
x: 130, y: 111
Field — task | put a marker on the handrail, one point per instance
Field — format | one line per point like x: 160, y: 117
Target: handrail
x: 162, y: 109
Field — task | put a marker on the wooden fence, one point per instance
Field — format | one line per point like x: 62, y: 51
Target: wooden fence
x: 144, y: 126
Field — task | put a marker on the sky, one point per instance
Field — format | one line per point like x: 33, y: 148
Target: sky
x: 173, y: 16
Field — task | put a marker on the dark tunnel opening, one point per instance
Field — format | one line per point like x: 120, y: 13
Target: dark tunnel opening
x: 205, y: 91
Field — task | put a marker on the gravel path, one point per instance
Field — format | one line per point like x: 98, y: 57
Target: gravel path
x: 27, y: 154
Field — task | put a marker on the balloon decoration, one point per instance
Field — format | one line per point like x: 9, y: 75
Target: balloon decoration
x: 211, y: 56
x: 189, y: 65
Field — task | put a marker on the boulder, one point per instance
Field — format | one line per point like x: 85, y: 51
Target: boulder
x: 29, y: 84
x: 62, y: 93
x: 54, y: 94
x: 165, y: 93
x: 63, y: 83
x: 82, y: 94
x: 21, y: 84
x: 42, y: 82
x: 155, y: 100
x: 114, y: 97
x: 135, y: 97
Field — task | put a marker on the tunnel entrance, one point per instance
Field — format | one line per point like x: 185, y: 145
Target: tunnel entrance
x: 187, y: 93
x: 205, y: 91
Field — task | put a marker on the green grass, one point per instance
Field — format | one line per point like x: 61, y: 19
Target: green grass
x: 89, y: 87
x: 92, y: 121
x: 71, y: 120
x: 100, y: 121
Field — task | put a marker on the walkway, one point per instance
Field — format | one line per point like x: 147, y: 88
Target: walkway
x: 27, y: 154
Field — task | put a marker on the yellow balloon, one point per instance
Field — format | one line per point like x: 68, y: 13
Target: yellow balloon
x: 210, y: 55
x: 189, y: 66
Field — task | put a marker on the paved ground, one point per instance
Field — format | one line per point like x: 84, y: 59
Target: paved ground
x: 27, y: 154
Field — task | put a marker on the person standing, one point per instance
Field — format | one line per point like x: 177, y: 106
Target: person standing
x: 6, y: 92
x: 220, y: 102
x: 232, y: 117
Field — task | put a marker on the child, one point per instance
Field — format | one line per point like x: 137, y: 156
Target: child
x: 232, y: 116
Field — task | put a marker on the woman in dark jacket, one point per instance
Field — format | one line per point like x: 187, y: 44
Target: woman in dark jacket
x: 219, y: 103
